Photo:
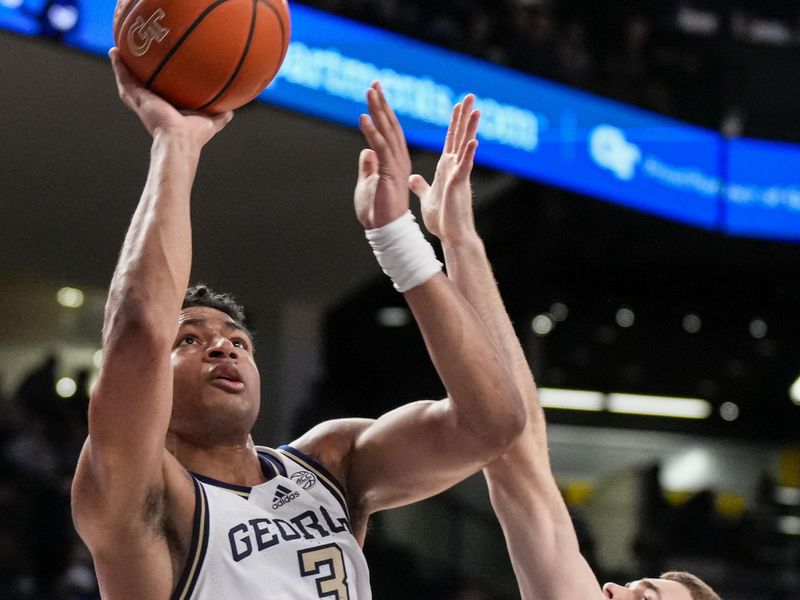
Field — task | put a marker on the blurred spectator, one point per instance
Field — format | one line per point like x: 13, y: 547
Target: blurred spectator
x: 40, y: 554
x: 574, y: 60
x: 532, y: 40
x: 671, y: 58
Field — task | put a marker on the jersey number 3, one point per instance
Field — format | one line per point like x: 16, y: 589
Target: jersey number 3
x: 332, y: 585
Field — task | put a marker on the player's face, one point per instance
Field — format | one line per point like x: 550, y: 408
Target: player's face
x: 647, y: 589
x: 216, y: 392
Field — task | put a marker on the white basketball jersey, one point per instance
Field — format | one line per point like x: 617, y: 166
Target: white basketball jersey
x: 286, y: 539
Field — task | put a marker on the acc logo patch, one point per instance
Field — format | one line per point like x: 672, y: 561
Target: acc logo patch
x: 305, y: 479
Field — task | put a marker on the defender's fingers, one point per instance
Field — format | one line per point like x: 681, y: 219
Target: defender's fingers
x: 471, y: 132
x: 467, y: 161
x: 450, y: 140
x: 367, y: 163
x: 418, y: 185
x: 377, y: 113
x: 374, y: 138
x: 463, y: 123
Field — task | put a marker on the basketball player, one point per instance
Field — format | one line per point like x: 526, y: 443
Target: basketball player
x: 171, y: 495
x: 537, y: 526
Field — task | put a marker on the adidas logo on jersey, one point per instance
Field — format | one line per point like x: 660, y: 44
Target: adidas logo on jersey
x: 283, y: 495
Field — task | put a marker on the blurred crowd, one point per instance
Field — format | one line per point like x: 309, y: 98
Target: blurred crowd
x: 42, y: 558
x: 41, y: 435
x: 671, y: 57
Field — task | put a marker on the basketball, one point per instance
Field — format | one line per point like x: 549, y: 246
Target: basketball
x: 203, y: 55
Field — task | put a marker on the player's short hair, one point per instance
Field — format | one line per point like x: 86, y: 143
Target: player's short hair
x: 699, y: 589
x: 201, y: 295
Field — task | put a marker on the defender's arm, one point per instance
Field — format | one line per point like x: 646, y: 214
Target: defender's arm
x: 537, y: 526
x: 538, y: 529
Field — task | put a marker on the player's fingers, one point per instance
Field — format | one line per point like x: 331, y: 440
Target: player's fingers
x: 463, y: 123
x: 418, y: 185
x: 130, y: 90
x: 221, y: 120
x: 471, y: 132
x: 121, y: 74
x: 450, y: 140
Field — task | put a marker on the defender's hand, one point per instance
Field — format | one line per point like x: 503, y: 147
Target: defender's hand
x: 447, y: 204
x: 381, y: 194
x: 158, y: 116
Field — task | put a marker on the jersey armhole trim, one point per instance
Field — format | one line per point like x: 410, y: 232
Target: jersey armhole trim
x: 239, y: 490
x: 267, y: 456
x: 198, y: 547
x: 329, y: 481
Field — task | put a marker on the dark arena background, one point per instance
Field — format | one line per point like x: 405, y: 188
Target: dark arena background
x: 638, y: 189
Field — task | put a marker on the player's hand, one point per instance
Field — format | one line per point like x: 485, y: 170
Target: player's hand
x: 447, y: 203
x: 158, y: 115
x: 381, y: 194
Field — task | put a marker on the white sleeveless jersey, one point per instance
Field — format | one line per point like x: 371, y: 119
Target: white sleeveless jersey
x: 286, y: 539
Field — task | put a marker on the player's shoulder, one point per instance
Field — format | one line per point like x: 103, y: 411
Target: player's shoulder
x: 331, y: 442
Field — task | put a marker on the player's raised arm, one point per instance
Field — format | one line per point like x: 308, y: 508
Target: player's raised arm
x: 423, y: 448
x: 119, y: 481
x: 535, y: 520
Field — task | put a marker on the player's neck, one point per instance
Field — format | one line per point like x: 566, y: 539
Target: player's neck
x: 235, y: 462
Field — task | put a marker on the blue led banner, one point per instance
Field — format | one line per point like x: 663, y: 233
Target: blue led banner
x: 530, y: 127
x: 763, y: 191
x: 20, y: 15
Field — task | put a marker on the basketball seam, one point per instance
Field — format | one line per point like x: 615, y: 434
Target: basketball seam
x: 238, y: 68
x: 180, y: 42
x: 283, y: 30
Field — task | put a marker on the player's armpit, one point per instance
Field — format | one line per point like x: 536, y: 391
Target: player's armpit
x: 139, y: 547
x: 105, y: 507
x: 120, y: 529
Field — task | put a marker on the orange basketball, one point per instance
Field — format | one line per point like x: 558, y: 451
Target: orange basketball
x: 208, y: 55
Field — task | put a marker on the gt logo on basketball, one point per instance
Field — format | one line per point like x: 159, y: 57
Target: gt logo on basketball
x: 143, y: 33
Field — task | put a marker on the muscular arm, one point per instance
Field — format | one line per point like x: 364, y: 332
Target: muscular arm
x: 119, y: 486
x: 423, y: 448
x: 536, y: 523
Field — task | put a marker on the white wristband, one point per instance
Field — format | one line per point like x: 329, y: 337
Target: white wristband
x: 403, y: 252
